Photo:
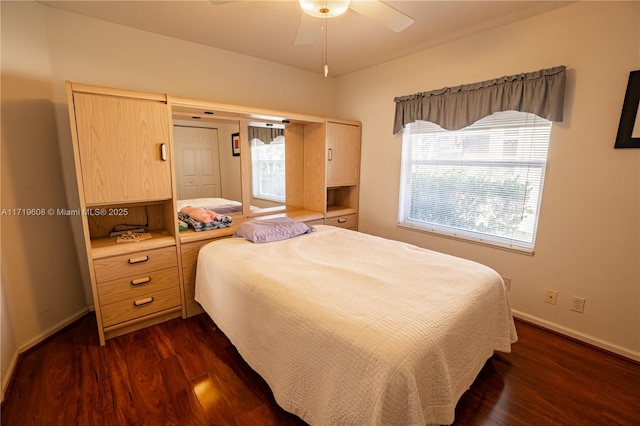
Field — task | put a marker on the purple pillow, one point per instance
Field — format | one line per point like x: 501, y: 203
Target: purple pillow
x: 268, y: 230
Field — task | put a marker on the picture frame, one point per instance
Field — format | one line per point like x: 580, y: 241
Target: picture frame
x: 235, y: 144
x: 629, y: 127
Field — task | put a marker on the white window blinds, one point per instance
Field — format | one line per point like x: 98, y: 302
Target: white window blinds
x: 483, y: 182
x: 268, y: 169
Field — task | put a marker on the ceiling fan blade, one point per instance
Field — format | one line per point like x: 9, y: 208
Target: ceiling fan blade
x: 307, y: 30
x: 380, y: 12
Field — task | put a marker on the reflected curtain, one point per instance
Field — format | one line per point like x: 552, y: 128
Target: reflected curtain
x: 265, y: 134
x: 453, y: 108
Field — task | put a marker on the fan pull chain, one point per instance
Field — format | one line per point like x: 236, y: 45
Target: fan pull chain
x: 325, y: 48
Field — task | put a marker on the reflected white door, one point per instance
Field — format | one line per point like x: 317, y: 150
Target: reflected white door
x: 197, y: 162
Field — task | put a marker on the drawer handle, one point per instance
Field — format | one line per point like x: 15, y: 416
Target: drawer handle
x: 342, y: 220
x: 139, y: 281
x: 143, y: 301
x: 138, y: 260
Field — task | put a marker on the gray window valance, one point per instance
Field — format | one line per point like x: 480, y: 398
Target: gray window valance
x: 265, y: 134
x: 453, y: 108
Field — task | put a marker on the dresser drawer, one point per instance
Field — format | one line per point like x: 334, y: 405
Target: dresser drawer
x: 137, y: 286
x: 138, y: 304
x: 346, y: 221
x: 111, y: 268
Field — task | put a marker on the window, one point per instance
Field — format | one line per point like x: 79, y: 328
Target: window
x: 482, y: 183
x: 268, y: 169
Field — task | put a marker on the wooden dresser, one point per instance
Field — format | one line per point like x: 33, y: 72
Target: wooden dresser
x: 125, y: 170
x: 122, y: 150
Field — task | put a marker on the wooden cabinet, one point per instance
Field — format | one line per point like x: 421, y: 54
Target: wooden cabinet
x: 123, y: 148
x: 343, y: 154
x: 332, y: 169
x: 122, y: 152
x: 343, y: 174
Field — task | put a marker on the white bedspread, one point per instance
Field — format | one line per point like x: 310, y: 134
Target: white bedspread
x: 352, y: 329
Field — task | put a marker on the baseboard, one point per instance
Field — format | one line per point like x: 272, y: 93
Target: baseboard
x: 6, y: 378
x: 585, y: 338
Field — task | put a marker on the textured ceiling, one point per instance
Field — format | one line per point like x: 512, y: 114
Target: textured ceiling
x: 267, y: 29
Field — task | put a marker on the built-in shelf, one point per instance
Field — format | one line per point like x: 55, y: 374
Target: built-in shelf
x: 333, y: 211
x: 190, y: 236
x: 108, y: 246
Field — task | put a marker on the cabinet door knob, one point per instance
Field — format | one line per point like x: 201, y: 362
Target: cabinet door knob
x: 143, y: 301
x: 330, y: 154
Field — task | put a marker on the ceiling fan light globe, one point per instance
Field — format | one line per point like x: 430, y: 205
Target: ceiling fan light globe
x: 324, y: 9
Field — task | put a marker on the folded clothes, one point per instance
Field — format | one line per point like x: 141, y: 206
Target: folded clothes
x: 201, y: 214
x: 224, y: 222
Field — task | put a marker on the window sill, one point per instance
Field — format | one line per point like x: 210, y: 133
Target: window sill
x: 491, y: 244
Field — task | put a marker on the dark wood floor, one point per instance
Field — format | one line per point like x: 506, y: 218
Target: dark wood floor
x: 185, y: 372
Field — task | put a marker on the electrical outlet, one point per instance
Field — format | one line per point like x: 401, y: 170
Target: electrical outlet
x: 577, y: 304
x: 551, y: 296
x: 507, y: 282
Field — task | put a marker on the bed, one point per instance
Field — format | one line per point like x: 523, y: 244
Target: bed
x: 220, y: 205
x: 352, y: 329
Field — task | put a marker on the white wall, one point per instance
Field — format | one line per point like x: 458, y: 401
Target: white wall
x: 41, y: 283
x: 588, y: 241
x: 44, y: 280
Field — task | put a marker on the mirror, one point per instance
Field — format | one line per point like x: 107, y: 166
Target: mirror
x: 277, y: 158
x: 207, y: 171
x: 268, y: 165
x: 275, y: 179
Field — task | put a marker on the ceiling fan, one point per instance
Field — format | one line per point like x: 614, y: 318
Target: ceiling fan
x: 375, y: 10
x: 309, y: 27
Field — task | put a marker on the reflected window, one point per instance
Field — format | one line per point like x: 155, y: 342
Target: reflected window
x: 268, y: 169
